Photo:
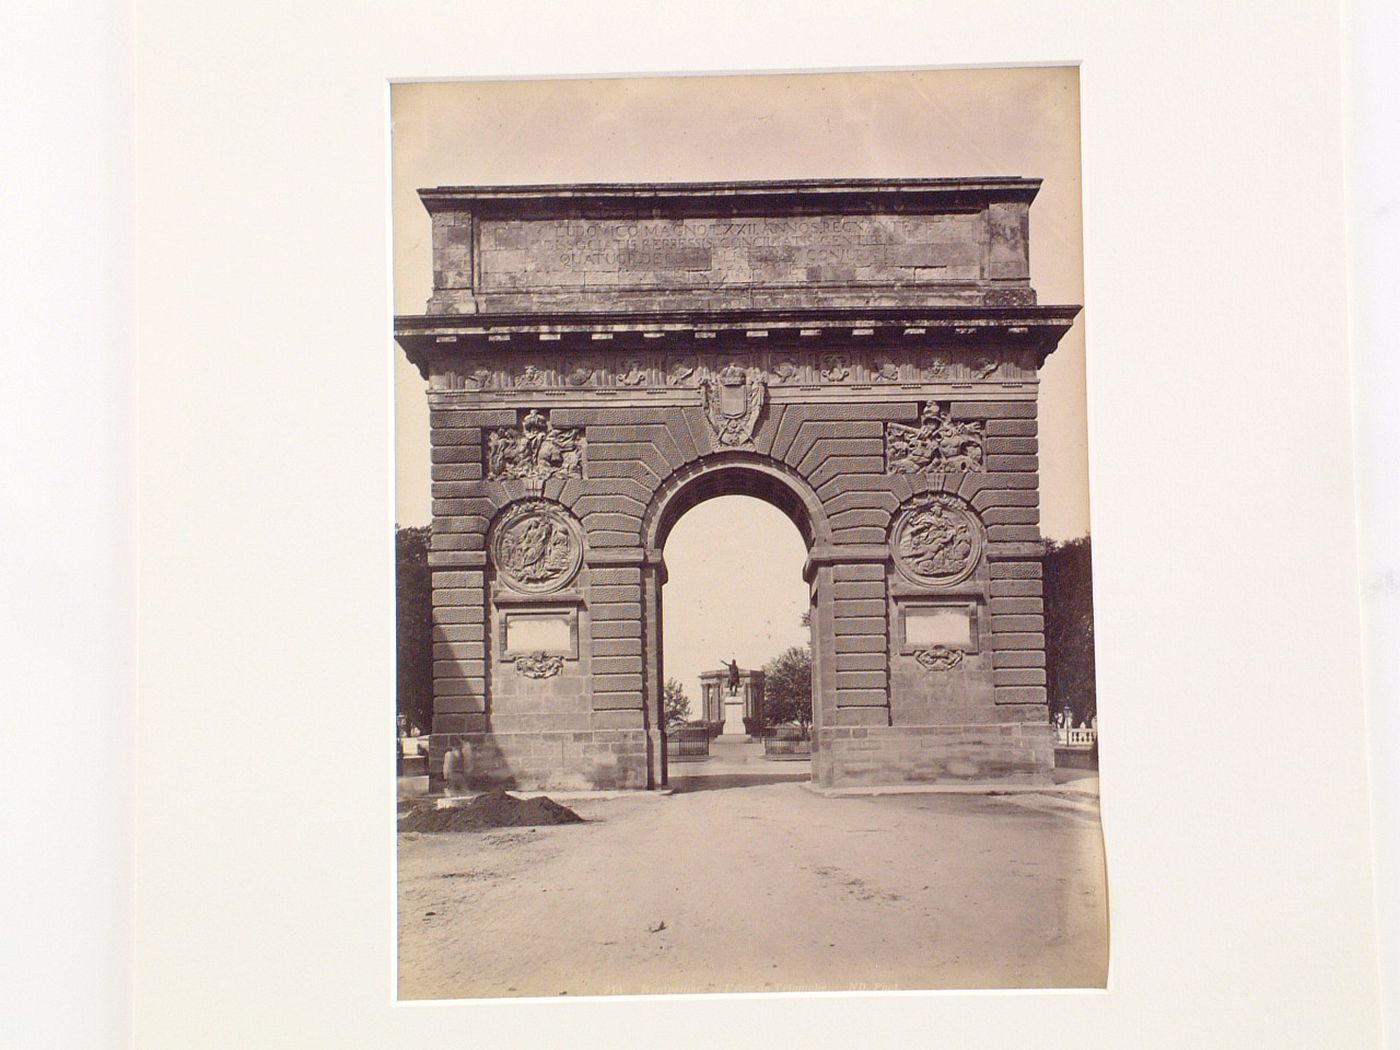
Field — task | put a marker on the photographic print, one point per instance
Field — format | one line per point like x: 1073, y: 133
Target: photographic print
x: 744, y: 591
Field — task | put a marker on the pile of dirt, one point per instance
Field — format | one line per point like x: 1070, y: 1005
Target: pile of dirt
x: 494, y: 809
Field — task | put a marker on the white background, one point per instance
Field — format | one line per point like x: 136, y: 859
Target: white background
x: 1234, y: 774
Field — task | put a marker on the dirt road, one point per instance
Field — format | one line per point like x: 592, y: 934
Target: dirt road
x: 767, y: 888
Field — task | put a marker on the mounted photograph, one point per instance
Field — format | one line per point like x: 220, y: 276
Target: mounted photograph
x: 744, y: 591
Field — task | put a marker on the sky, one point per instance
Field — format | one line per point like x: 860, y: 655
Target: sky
x: 966, y: 122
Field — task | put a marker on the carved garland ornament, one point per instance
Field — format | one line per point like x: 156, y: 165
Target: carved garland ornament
x: 539, y: 665
x: 732, y: 400
x: 937, y: 446
x: 537, y: 547
x: 535, y: 450
x: 936, y: 540
x: 939, y: 658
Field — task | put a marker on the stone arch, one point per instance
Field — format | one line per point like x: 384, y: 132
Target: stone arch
x: 693, y: 362
x: 736, y: 474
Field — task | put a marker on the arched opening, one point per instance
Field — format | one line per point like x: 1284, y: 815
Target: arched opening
x: 735, y: 540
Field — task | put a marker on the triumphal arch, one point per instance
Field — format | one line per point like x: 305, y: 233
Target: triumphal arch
x: 862, y: 354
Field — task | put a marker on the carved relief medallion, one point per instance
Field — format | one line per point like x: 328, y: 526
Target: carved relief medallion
x: 938, y: 445
x: 537, y: 547
x: 536, y: 450
x: 936, y: 540
x: 539, y: 665
x: 732, y: 399
x: 939, y: 658
x: 680, y: 374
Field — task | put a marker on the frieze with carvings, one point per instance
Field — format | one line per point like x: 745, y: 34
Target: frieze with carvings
x: 939, y: 658
x: 502, y: 373
x: 537, y: 547
x: 539, y: 665
x: 936, y: 540
x: 536, y: 450
x: 732, y: 399
x: 938, y: 445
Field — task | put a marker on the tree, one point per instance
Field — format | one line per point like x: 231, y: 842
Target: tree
x: 413, y: 601
x: 787, y: 688
x: 1069, y: 629
x: 675, y: 705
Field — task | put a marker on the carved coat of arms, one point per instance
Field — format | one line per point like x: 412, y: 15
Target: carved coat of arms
x: 732, y: 400
x: 938, y: 445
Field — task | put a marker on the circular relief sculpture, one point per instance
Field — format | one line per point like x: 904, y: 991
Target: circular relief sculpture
x: 936, y: 540
x: 537, y: 547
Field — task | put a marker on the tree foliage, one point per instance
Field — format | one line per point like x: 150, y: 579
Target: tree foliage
x: 413, y: 606
x: 1069, y: 629
x: 787, y: 688
x: 675, y: 704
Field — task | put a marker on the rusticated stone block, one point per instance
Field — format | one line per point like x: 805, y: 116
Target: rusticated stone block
x: 847, y: 591
x: 617, y: 629
x: 997, y: 464
x: 1023, y: 533
x: 1021, y: 694
x: 1019, y: 676
x: 860, y: 643
x: 1013, y: 606
x: 1011, y: 446
x: 854, y: 625
x: 1019, y: 640
x: 456, y: 472
x: 1015, y: 570
x: 871, y: 661
x: 993, y: 410
x: 1019, y: 658
x: 603, y: 646
x: 858, y: 571
x: 860, y: 680
x: 1012, y: 428
x: 614, y: 593
x: 1000, y: 497
x: 1016, y: 588
x: 1018, y: 623
x: 860, y: 607
x: 459, y: 651
x: 1011, y: 516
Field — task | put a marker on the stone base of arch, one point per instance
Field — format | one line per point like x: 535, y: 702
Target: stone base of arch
x: 883, y: 756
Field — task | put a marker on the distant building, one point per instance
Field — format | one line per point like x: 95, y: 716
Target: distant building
x: 716, y: 705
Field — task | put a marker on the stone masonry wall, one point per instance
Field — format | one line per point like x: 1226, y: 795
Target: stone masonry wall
x: 596, y: 721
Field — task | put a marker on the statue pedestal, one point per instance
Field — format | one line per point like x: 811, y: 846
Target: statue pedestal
x: 733, y: 716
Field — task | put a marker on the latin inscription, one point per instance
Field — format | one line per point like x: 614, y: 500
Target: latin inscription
x: 621, y: 252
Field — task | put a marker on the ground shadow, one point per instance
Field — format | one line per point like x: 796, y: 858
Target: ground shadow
x: 722, y: 781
